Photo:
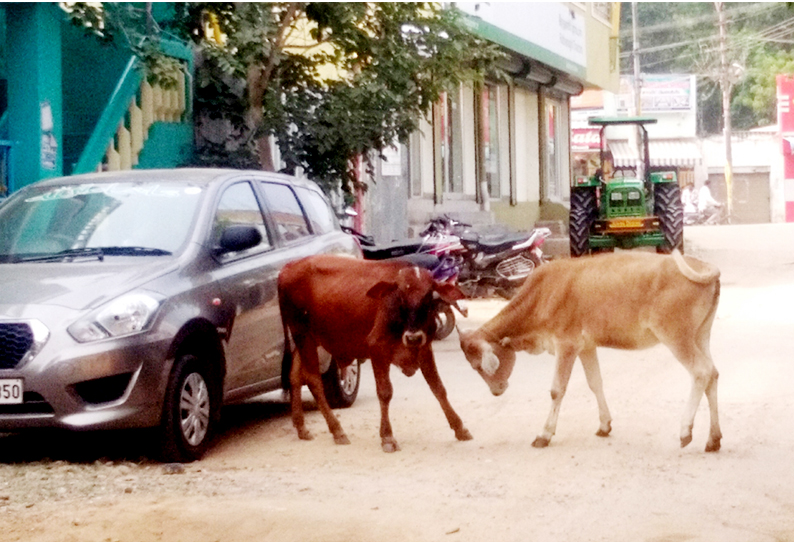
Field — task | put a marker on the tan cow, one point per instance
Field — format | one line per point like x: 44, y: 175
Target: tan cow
x: 627, y: 300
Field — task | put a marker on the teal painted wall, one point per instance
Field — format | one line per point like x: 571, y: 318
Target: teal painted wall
x: 33, y: 43
x: 169, y: 145
x: 91, y: 70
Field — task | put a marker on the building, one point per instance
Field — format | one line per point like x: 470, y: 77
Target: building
x: 672, y: 140
x: 500, y: 153
x: 70, y: 104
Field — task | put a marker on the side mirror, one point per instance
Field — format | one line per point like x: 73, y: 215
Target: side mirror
x: 239, y: 237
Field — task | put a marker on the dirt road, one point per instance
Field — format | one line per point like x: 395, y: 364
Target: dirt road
x: 261, y: 483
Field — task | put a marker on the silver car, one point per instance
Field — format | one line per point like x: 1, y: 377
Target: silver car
x: 148, y: 298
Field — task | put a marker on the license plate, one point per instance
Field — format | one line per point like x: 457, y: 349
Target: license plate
x: 626, y: 223
x: 10, y: 391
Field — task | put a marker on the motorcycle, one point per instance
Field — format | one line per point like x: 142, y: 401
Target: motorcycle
x: 492, y: 264
x: 432, y: 252
x: 708, y: 217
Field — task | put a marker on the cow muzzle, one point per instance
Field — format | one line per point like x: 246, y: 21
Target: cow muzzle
x: 414, y: 339
x: 498, y: 388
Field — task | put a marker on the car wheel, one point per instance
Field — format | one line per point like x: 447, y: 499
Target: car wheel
x: 667, y: 206
x: 445, y: 321
x: 189, y: 411
x: 583, y: 213
x: 341, y: 385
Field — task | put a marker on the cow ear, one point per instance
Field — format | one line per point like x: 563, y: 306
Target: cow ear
x: 381, y: 289
x: 449, y: 292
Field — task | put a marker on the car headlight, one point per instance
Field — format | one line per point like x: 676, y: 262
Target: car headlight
x: 127, y: 315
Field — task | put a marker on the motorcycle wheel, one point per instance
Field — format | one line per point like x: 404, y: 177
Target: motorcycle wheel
x: 445, y: 321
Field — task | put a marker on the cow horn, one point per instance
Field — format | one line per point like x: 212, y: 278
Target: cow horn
x: 505, y: 342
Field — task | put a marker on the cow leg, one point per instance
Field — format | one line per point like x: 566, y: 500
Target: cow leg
x: 383, y: 386
x: 592, y: 372
x: 430, y: 372
x: 566, y: 355
x: 704, y: 379
x: 715, y: 435
x: 307, y: 371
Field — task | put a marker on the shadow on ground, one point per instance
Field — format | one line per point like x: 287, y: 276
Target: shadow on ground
x: 137, y: 445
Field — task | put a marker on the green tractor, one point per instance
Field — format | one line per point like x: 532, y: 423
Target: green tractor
x: 626, y: 211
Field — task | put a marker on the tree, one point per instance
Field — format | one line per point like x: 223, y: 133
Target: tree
x: 385, y: 64
x: 333, y: 82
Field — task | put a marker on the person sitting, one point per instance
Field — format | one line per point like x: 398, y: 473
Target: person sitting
x: 688, y: 199
x: 707, y: 205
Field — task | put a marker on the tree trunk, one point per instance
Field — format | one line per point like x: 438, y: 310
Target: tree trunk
x: 265, y: 152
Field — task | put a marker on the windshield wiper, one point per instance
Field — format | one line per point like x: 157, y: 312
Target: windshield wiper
x: 70, y: 253
x: 95, y: 252
x: 133, y: 251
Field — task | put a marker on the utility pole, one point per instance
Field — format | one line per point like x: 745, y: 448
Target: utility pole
x: 635, y: 54
x: 726, y: 84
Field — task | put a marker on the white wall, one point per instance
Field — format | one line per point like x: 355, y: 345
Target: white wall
x: 527, y: 146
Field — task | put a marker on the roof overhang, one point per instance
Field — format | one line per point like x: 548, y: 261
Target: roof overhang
x: 664, y: 153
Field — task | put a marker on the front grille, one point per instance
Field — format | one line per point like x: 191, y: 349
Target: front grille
x: 32, y: 403
x: 16, y: 340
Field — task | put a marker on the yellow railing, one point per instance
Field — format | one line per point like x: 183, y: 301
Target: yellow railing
x: 151, y: 104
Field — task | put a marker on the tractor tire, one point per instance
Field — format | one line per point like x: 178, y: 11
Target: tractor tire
x: 667, y: 206
x: 583, y: 213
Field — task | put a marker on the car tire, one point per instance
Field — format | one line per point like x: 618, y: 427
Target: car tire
x: 190, y: 411
x: 445, y: 321
x: 667, y: 206
x: 583, y: 213
x: 341, y: 385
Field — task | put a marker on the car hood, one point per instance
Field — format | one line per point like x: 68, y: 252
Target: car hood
x: 77, y: 285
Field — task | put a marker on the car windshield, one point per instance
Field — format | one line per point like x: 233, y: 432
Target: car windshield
x: 124, y: 218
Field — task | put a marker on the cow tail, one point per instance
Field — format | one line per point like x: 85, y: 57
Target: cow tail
x: 704, y: 331
x: 289, y: 346
x: 705, y: 275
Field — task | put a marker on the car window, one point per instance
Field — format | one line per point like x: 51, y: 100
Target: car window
x: 286, y: 211
x: 238, y: 206
x: 321, y: 216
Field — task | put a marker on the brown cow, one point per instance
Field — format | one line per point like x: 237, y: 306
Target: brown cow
x: 357, y: 309
x: 627, y: 300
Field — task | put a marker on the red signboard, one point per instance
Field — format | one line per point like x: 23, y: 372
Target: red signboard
x: 785, y: 106
x: 585, y: 139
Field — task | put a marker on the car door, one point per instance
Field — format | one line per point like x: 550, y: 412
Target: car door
x: 248, y: 282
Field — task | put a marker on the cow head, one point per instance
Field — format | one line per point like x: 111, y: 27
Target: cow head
x: 494, y: 361
x: 405, y: 322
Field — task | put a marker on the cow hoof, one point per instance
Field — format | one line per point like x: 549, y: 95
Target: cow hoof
x: 686, y: 440
x: 341, y: 439
x: 713, y: 446
x: 463, y: 434
x: 604, y: 432
x: 540, y: 442
x: 390, y: 446
x: 305, y: 434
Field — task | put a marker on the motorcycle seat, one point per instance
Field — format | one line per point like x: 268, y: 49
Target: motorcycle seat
x: 394, y: 249
x: 492, y: 244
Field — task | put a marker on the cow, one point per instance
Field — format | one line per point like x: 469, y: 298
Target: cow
x: 358, y: 309
x: 628, y: 300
